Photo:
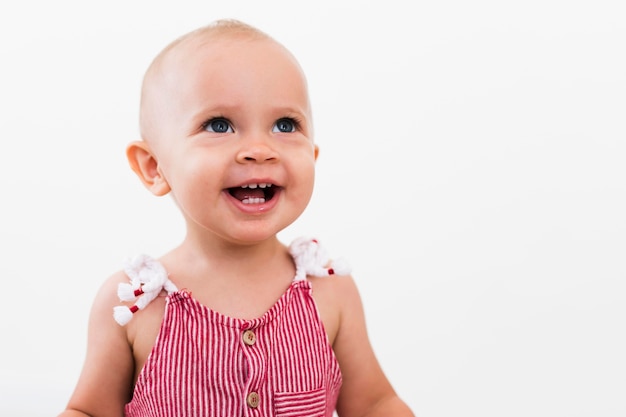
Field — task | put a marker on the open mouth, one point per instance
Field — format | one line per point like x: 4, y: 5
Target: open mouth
x: 253, y: 193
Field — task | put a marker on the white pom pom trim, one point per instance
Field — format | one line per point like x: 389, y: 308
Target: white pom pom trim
x: 311, y: 259
x: 125, y: 292
x: 147, y: 279
x: 122, y: 314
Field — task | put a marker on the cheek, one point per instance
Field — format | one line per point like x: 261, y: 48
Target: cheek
x: 193, y: 176
x: 307, y: 177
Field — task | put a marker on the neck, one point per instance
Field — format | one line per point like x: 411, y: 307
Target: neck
x: 233, y: 261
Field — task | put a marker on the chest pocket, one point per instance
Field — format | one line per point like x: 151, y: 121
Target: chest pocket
x: 299, y: 404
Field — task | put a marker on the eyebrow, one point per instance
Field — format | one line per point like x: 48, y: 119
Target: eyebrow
x: 233, y: 108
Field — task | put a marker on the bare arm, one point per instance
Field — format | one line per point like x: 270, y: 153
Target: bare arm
x: 105, y: 383
x: 365, y: 392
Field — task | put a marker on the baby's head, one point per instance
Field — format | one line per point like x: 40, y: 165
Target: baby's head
x: 227, y: 129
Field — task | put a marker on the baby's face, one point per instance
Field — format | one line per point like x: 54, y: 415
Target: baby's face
x: 229, y: 122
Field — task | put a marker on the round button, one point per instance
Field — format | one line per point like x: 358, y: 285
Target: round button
x: 249, y: 338
x: 253, y: 399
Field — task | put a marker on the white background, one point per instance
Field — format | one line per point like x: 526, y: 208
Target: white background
x: 471, y: 170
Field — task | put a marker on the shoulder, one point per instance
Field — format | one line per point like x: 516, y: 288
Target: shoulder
x: 116, y: 303
x: 132, y: 302
x: 102, y: 322
x: 107, y: 298
x: 135, y: 337
x: 334, y: 295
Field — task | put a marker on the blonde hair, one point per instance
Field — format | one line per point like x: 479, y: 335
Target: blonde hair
x: 222, y: 27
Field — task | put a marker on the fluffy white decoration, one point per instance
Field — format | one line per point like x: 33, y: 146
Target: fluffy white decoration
x: 312, y: 259
x: 340, y: 266
x: 147, y: 279
x: 122, y: 315
x: 125, y: 292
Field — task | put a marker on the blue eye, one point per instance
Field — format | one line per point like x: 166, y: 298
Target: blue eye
x: 218, y: 125
x: 285, y: 125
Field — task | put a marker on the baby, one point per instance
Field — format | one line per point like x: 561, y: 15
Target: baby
x: 231, y: 322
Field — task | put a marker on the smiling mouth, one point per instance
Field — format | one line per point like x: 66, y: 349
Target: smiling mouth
x: 253, y: 193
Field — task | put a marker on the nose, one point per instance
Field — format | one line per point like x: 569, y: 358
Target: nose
x: 257, y: 150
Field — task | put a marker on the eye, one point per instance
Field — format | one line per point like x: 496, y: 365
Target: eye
x: 218, y: 125
x: 285, y: 125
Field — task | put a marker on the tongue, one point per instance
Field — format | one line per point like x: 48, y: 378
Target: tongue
x: 243, y: 193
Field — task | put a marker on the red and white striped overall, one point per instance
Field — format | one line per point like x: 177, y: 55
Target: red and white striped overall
x: 205, y: 364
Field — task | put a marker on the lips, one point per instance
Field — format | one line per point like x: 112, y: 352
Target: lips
x: 254, y: 193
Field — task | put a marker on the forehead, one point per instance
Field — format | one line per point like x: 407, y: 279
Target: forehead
x: 215, y: 58
x: 236, y: 67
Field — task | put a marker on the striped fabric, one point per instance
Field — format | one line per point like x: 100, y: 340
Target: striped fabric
x: 207, y: 364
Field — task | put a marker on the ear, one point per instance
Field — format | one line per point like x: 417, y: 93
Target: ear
x: 146, y: 166
x: 316, y: 149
